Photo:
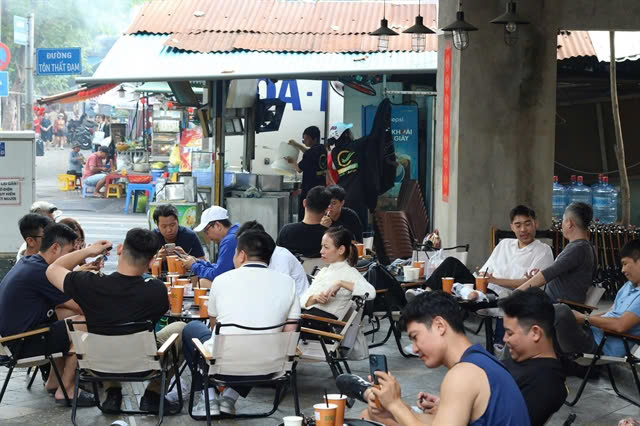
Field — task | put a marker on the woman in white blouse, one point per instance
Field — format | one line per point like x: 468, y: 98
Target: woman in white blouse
x: 332, y: 289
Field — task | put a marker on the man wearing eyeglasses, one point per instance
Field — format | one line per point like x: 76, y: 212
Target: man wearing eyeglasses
x: 215, y: 224
x: 31, y: 228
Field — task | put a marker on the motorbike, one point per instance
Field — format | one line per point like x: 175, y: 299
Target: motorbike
x: 81, y: 133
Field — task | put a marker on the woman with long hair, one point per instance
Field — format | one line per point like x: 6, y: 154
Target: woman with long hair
x: 332, y: 289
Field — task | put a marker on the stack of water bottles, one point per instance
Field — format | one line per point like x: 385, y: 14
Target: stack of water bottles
x: 601, y: 196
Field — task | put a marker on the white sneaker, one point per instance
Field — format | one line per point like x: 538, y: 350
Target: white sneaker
x: 227, y: 405
x: 200, y: 408
x: 173, y: 395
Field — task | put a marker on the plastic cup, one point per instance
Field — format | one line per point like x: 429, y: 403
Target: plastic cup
x: 204, y: 306
x: 360, y: 248
x: 406, y: 271
x: 181, y: 268
x: 171, y: 264
x: 447, y: 284
x: 156, y: 268
x: 173, y: 278
x: 183, y: 281
x: 340, y: 401
x: 177, y: 295
x: 481, y: 284
x: 412, y: 274
x: 419, y: 264
x: 292, y: 421
x: 169, y: 296
x: 325, y: 414
x: 197, y: 293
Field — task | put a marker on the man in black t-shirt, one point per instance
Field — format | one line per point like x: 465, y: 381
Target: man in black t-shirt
x: 305, y: 237
x: 28, y: 302
x: 528, y: 324
x: 121, y: 297
x: 313, y: 165
x: 338, y: 215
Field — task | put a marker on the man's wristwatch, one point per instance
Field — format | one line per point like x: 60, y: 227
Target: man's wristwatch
x: 586, y: 319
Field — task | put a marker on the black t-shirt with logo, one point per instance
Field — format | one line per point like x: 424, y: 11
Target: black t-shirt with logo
x: 346, y: 159
x: 314, y: 167
x: 301, y: 238
x: 113, y: 299
x: 542, y: 383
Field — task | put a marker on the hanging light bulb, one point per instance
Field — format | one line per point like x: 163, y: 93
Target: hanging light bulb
x: 121, y: 91
x: 510, y: 19
x: 418, y: 33
x: 384, y: 32
x: 460, y: 29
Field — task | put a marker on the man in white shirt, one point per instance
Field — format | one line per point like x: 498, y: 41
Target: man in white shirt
x: 512, y: 262
x: 282, y: 260
x: 250, y: 295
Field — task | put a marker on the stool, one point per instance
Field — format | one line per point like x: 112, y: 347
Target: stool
x: 78, y: 183
x: 87, y: 191
x: 114, y: 190
x: 66, y: 182
x: 132, y: 188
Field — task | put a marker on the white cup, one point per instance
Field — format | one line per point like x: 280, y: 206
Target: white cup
x: 292, y: 421
x: 412, y: 273
x: 406, y: 271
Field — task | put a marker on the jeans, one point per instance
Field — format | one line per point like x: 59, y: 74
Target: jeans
x: 93, y: 179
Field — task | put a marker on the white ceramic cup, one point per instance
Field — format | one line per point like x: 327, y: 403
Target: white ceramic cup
x: 292, y: 421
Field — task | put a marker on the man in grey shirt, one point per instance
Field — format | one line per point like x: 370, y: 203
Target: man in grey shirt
x: 76, y: 161
x: 571, y: 274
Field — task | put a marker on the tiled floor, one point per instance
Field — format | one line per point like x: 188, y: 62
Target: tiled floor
x: 598, y: 406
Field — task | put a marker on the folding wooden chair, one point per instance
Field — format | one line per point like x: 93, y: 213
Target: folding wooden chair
x: 312, y: 265
x: 248, y: 359
x: 14, y: 359
x: 126, y: 357
x: 632, y: 357
x: 594, y: 294
x: 333, y: 347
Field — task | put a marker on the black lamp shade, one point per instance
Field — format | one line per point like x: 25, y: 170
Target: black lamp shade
x: 459, y: 24
x: 510, y: 16
x: 384, y: 29
x: 418, y: 28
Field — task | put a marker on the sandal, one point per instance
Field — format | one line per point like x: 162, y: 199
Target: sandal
x: 85, y: 399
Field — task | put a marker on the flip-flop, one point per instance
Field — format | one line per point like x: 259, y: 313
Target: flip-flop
x: 85, y: 399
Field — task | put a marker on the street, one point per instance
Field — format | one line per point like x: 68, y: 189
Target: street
x: 99, y: 218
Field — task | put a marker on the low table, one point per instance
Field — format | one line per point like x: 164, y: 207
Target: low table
x: 190, y: 312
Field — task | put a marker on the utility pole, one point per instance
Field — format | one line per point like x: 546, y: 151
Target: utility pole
x: 29, y: 67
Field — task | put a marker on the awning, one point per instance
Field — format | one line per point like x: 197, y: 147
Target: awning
x: 161, y: 87
x: 77, y: 95
x: 144, y: 57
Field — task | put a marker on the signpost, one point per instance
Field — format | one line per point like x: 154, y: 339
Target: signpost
x: 59, y: 61
x: 20, y: 30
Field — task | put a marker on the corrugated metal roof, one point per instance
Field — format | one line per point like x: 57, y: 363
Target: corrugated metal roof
x: 627, y: 45
x: 270, y: 25
x: 135, y: 58
x: 209, y: 41
x: 572, y: 44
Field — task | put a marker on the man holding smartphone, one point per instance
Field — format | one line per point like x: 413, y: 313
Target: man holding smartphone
x: 184, y: 240
x: 477, y: 389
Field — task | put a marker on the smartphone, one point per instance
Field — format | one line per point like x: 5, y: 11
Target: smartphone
x: 377, y: 363
x: 98, y: 259
x: 169, y: 248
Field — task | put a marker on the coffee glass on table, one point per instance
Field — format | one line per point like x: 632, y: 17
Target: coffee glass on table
x: 340, y: 401
x: 197, y: 293
x: 447, y: 284
x: 203, y: 303
x: 177, y: 296
x: 292, y: 421
x: 360, y: 248
x: 325, y: 414
x: 171, y: 264
x: 180, y: 266
x: 481, y: 284
x: 419, y: 264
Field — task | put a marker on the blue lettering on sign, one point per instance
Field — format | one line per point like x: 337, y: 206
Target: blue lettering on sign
x: 2, y: 149
x: 63, y: 61
x: 290, y: 93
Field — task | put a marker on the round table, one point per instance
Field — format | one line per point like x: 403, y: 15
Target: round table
x: 190, y: 312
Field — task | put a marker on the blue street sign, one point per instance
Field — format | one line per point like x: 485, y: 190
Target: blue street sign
x: 20, y: 30
x: 4, y: 84
x: 59, y: 61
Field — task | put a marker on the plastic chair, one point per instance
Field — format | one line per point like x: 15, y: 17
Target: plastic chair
x: 114, y: 190
x: 235, y: 361
x: 87, y: 191
x: 66, y: 182
x: 132, y: 189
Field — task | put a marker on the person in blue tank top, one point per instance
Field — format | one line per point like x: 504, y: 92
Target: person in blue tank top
x: 477, y: 389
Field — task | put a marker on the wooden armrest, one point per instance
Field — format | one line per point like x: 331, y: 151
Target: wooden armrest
x: 205, y: 354
x: 577, y: 305
x: 25, y: 334
x: 170, y: 341
x: 323, y: 319
x: 382, y: 290
x: 625, y: 335
x: 322, y: 333
x: 413, y: 284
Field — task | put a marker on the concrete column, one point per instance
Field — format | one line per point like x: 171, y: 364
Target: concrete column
x: 502, y: 123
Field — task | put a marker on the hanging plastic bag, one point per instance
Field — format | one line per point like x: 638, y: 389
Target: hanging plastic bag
x: 434, y: 262
x: 174, y: 157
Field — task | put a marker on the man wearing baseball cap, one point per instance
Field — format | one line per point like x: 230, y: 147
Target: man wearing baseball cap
x: 215, y: 224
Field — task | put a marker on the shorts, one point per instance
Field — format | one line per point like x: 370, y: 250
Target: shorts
x: 57, y: 340
x: 93, y: 179
x: 60, y: 133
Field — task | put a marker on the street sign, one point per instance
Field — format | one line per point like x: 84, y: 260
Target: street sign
x: 59, y: 61
x: 5, y: 56
x: 20, y: 30
x: 4, y: 84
